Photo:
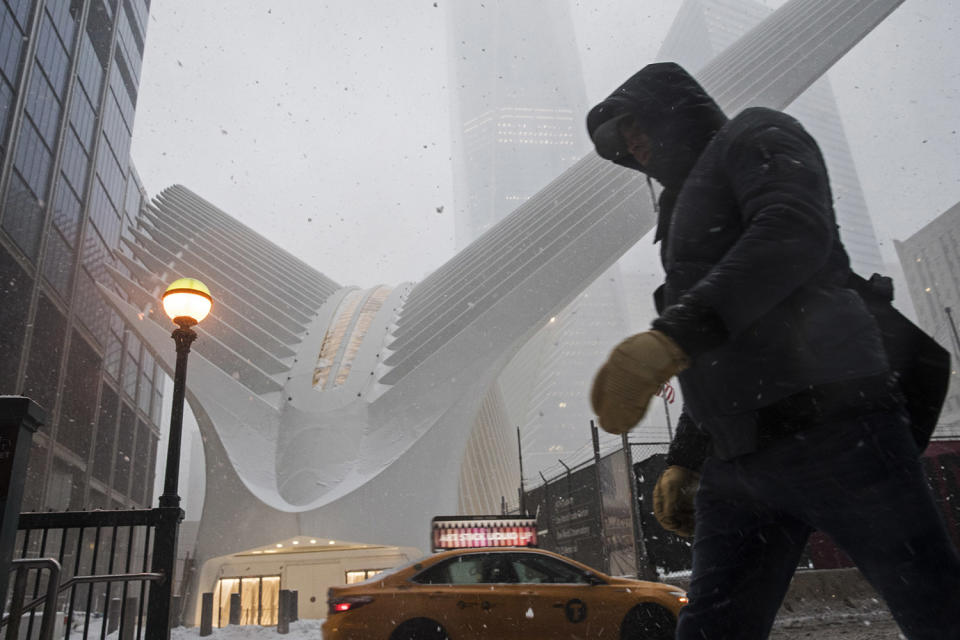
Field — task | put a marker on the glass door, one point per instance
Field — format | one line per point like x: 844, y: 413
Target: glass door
x: 250, y: 601
x: 221, y: 600
x: 259, y: 600
x: 269, y: 600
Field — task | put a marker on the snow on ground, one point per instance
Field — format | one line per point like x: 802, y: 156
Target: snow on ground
x: 299, y: 630
x: 864, y: 627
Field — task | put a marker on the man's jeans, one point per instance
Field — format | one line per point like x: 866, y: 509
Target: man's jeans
x: 860, y: 482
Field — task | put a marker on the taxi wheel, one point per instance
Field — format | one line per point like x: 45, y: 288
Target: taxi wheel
x: 419, y: 629
x: 648, y: 622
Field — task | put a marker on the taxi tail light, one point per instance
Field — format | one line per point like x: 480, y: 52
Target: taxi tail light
x: 346, y: 603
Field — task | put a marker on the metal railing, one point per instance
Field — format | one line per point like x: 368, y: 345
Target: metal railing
x: 105, y: 560
x: 17, y: 608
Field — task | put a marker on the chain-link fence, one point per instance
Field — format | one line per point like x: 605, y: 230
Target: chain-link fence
x: 587, y: 512
x: 599, y: 511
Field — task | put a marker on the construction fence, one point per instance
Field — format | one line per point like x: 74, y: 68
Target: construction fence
x: 586, y: 513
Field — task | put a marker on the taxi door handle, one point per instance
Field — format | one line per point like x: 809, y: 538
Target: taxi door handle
x: 559, y: 605
x: 437, y: 594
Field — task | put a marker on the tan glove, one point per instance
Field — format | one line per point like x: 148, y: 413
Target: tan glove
x: 673, y: 499
x: 632, y: 374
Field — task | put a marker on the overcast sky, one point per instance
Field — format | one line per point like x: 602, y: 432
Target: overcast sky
x: 325, y: 125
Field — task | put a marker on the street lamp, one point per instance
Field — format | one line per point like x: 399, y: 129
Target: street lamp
x: 187, y: 301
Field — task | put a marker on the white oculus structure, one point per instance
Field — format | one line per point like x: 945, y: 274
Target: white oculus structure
x: 358, y: 415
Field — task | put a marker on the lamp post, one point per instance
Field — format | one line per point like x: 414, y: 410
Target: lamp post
x: 187, y: 301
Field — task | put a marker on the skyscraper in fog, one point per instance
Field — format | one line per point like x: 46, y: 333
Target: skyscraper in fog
x: 518, y: 124
x: 704, y: 28
x: 69, y: 74
x: 519, y: 108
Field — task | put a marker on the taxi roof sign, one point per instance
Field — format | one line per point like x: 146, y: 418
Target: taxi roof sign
x: 466, y: 532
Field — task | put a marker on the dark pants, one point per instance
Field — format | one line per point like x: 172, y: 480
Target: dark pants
x: 860, y: 482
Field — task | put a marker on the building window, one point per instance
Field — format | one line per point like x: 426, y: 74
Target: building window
x: 112, y: 355
x: 359, y: 575
x: 157, y: 406
x: 36, y: 474
x: 79, y: 404
x: 33, y: 161
x: 142, y: 472
x: 90, y: 307
x: 131, y: 366
x: 58, y: 263
x: 145, y: 392
x: 148, y: 497
x: 23, y: 215
x: 65, y: 487
x: 15, y: 287
x: 106, y: 434
x: 124, y: 456
x: 46, y: 350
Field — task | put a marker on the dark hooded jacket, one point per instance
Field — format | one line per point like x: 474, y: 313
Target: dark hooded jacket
x: 755, y: 270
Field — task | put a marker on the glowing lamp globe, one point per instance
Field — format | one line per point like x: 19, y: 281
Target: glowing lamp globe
x: 187, y: 298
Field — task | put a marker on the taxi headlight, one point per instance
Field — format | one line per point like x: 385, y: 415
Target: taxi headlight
x: 680, y: 596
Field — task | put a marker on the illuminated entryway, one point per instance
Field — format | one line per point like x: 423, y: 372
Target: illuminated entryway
x: 308, y: 565
x: 259, y: 598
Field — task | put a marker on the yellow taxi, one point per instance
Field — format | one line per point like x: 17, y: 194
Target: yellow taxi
x: 498, y: 594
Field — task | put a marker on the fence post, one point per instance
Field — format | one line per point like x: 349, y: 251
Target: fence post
x: 16, y: 603
x: 645, y: 567
x: 206, y: 614
x: 283, y: 613
x: 113, y: 619
x: 176, y: 610
x: 163, y: 561
x: 128, y: 622
x: 234, y: 616
x: 604, y: 546
x: 19, y: 419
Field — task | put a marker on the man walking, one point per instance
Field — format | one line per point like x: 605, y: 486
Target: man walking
x: 782, y: 367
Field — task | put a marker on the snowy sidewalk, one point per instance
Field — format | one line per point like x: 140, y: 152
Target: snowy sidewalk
x: 299, y: 630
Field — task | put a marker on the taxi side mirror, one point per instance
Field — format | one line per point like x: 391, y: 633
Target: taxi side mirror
x: 592, y: 579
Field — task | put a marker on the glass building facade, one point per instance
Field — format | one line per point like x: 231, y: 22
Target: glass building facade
x: 931, y: 265
x: 69, y: 73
